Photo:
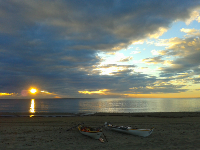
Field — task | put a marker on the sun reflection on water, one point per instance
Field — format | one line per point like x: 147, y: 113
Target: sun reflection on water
x: 32, y: 108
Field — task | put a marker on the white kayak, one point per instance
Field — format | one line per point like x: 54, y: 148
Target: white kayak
x: 129, y: 130
x: 91, y: 132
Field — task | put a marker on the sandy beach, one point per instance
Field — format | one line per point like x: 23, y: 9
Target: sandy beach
x: 172, y: 131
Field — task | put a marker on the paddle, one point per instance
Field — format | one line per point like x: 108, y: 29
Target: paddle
x: 105, y: 137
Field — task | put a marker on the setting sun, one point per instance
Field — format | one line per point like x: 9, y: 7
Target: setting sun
x: 33, y: 91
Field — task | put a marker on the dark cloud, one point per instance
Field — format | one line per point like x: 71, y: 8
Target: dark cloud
x: 188, y: 57
x: 54, y: 44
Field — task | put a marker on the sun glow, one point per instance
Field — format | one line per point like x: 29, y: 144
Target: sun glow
x: 33, y: 91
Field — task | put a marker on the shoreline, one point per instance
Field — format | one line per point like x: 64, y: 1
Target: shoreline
x: 136, y: 114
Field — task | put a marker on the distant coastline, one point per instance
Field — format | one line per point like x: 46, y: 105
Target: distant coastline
x: 136, y: 114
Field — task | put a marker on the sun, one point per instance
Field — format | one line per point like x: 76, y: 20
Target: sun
x: 33, y: 91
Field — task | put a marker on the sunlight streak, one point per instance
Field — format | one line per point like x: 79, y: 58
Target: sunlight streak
x: 32, y: 108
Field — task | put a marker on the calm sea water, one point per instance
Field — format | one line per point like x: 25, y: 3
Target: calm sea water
x: 116, y: 105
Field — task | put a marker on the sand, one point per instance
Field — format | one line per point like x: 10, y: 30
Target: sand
x: 172, y: 131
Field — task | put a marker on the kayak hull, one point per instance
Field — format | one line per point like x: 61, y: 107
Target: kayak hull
x: 129, y: 130
x: 92, y: 134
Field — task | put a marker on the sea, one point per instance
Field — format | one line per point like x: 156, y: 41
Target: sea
x: 95, y: 105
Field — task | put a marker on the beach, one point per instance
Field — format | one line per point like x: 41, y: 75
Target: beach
x: 49, y: 131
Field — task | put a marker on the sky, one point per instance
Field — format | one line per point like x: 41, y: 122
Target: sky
x: 99, y: 49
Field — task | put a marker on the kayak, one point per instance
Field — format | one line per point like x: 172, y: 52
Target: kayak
x: 129, y: 130
x: 91, y: 132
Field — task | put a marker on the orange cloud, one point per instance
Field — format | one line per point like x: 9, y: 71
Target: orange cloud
x: 6, y: 94
x: 95, y: 92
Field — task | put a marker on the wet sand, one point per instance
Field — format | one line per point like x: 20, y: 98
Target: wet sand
x: 172, y: 131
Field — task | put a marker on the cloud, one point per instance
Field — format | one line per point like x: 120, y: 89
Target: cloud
x: 168, y: 42
x: 191, y: 32
x: 111, y: 53
x: 198, y: 19
x: 170, y: 88
x: 113, y: 69
x: 185, y: 54
x: 186, y: 61
x: 160, y: 52
x: 138, y: 42
x: 126, y: 59
x: 153, y: 60
x: 74, y: 21
x: 193, y: 16
x: 54, y: 45
x: 186, y: 64
x: 158, y: 33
